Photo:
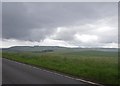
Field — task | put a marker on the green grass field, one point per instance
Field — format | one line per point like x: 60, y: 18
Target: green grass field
x: 96, y: 66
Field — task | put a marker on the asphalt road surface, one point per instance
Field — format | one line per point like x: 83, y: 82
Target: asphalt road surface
x: 18, y: 73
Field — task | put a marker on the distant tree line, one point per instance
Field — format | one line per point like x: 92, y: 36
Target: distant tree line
x: 43, y: 51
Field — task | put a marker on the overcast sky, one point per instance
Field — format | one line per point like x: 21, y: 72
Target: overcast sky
x: 78, y: 24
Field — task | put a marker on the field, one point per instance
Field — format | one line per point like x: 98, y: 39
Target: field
x: 96, y: 66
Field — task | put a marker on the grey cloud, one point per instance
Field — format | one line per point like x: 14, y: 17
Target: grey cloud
x: 119, y: 24
x: 36, y: 21
x: 0, y: 20
x: 15, y: 22
x: 59, y: 14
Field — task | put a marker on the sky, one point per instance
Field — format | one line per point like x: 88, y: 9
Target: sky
x: 66, y: 24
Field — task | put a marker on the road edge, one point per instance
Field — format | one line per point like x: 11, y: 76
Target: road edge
x: 56, y: 73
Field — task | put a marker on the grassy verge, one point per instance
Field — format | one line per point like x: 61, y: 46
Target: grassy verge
x: 90, y: 65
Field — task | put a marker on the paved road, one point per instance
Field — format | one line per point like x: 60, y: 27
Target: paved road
x: 0, y: 70
x: 17, y: 73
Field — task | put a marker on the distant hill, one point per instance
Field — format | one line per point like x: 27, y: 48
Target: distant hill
x: 54, y: 48
x: 32, y: 48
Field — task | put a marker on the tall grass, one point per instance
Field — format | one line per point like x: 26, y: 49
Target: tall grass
x: 101, y: 67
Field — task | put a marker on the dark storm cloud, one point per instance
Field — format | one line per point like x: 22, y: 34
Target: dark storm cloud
x: 119, y: 24
x: 36, y: 21
x: 0, y: 20
x: 16, y: 23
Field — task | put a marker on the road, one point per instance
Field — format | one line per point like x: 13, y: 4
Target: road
x: 0, y: 70
x: 18, y: 73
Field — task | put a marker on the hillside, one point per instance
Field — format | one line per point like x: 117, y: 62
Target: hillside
x: 55, y: 48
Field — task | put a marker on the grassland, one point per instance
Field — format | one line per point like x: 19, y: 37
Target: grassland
x: 97, y: 66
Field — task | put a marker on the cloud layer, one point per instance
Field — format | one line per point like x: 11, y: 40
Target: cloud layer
x: 77, y: 24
